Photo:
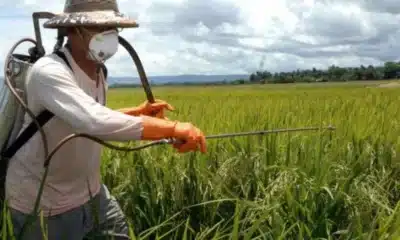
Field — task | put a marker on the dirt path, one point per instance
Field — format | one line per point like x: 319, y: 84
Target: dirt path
x: 389, y: 85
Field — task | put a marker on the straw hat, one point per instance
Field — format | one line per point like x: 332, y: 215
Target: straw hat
x: 97, y: 13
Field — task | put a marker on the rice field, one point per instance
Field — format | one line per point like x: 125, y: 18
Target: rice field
x: 342, y: 184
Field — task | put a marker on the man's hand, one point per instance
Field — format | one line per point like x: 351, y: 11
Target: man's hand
x: 149, y: 109
x: 190, y: 138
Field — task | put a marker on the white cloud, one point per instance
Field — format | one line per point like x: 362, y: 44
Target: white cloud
x: 232, y: 36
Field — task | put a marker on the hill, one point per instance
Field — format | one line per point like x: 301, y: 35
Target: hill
x: 177, y: 79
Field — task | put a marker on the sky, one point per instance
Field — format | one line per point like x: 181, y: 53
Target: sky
x: 233, y: 36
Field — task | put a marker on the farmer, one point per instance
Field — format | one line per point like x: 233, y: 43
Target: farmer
x: 77, y: 99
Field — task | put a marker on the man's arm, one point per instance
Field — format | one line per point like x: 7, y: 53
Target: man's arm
x: 59, y: 93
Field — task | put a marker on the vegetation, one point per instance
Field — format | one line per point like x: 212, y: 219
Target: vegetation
x: 389, y: 70
x: 343, y: 184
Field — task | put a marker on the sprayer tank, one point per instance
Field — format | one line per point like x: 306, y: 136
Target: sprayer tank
x: 11, y: 111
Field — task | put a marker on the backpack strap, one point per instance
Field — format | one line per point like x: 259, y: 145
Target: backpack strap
x: 42, y: 119
x: 63, y: 57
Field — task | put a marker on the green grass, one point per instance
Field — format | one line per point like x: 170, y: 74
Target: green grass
x: 305, y: 185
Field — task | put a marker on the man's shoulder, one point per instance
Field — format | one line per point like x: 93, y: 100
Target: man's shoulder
x: 48, y: 64
x: 49, y: 69
x: 49, y: 59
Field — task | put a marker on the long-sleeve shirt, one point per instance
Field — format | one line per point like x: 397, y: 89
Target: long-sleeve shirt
x: 71, y: 96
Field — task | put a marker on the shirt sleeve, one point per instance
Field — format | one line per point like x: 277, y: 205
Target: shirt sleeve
x: 58, y: 92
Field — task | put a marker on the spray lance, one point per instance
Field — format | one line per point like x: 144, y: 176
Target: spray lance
x: 15, y: 64
x: 150, y: 98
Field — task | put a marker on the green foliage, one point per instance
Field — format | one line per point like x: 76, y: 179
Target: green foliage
x: 310, y: 185
x: 390, y: 70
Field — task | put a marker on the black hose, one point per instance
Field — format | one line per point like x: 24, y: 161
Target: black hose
x: 140, y: 69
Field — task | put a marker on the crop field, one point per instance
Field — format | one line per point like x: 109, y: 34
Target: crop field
x: 341, y: 184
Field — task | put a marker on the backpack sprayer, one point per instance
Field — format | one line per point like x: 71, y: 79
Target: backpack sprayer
x: 13, y: 101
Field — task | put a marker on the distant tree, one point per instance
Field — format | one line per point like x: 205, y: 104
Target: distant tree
x: 390, y: 70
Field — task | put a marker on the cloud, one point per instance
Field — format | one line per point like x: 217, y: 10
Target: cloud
x: 231, y: 36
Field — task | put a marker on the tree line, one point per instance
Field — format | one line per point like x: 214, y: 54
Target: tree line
x: 390, y: 70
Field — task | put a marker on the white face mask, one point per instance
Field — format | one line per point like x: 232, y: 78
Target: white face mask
x: 103, y: 46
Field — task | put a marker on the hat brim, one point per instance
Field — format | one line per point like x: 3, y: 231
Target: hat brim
x: 95, y: 19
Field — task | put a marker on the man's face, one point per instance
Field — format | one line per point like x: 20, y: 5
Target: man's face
x: 98, y: 49
x: 88, y: 32
x: 83, y: 35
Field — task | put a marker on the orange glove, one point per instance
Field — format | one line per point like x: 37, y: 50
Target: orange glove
x: 192, y: 138
x: 148, y: 109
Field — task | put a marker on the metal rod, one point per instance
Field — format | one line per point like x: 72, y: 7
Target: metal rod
x: 39, y: 49
x: 173, y: 141
x: 262, y: 132
x: 268, y: 132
